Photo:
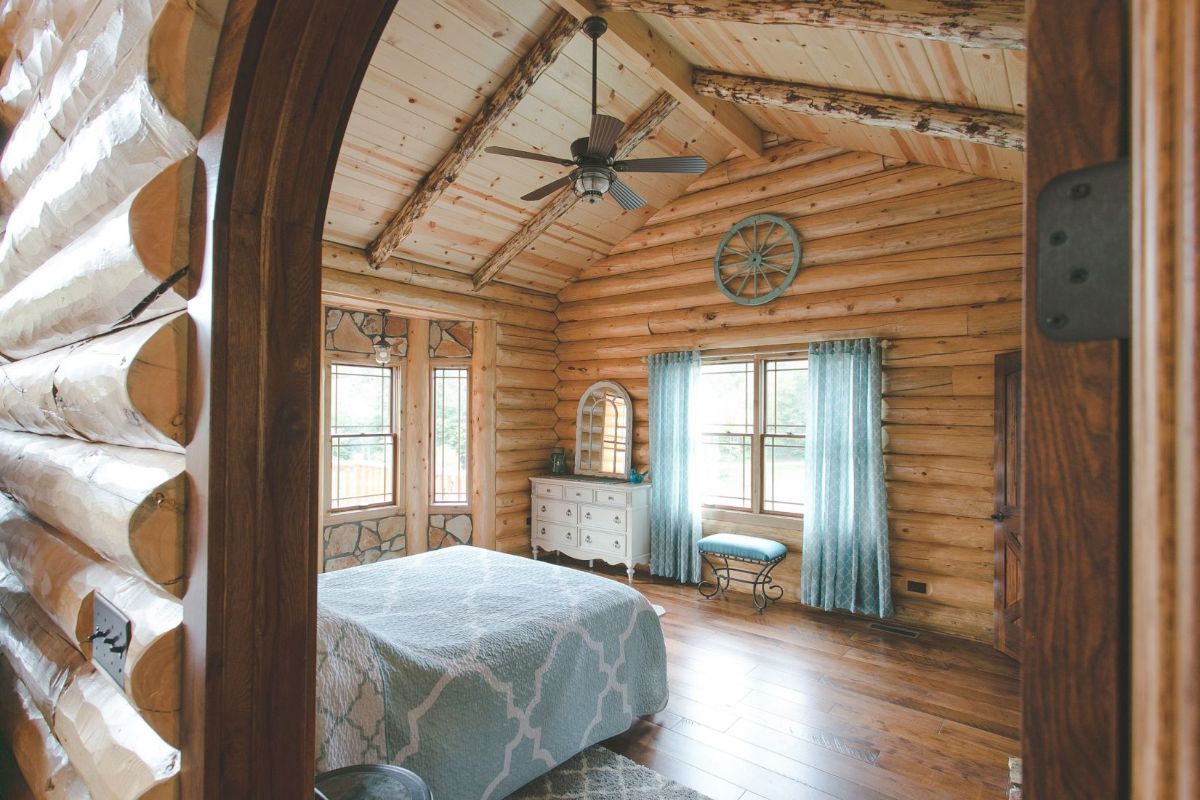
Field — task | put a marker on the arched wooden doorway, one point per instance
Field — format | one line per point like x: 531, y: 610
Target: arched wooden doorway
x: 283, y: 85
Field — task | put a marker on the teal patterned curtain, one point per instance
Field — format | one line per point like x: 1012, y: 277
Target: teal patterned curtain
x: 674, y: 457
x: 845, y: 522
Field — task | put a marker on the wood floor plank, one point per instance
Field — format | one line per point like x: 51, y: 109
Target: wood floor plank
x: 796, y: 704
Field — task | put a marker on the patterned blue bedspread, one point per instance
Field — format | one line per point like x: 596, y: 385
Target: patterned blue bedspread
x: 478, y: 670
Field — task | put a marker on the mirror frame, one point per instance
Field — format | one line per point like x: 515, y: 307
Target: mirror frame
x: 628, y: 461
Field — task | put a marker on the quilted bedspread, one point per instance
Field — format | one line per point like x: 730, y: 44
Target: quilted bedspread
x: 478, y: 670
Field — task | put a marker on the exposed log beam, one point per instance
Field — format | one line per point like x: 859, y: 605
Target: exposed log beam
x: 494, y: 112
x: 633, y: 135
x: 970, y: 23
x: 644, y: 52
x: 976, y: 125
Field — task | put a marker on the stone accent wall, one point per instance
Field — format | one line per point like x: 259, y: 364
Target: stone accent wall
x: 447, y: 530
x: 450, y: 339
x: 350, y: 332
x: 352, y: 544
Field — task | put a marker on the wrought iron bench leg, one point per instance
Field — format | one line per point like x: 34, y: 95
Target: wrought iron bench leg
x: 764, y: 587
x: 717, y: 587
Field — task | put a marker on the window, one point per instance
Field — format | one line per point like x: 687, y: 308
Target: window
x: 451, y: 412
x: 362, y: 436
x: 752, y: 416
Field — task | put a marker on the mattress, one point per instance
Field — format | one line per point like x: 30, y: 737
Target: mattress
x: 479, y: 670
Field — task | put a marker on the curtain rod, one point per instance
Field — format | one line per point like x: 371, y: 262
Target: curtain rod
x: 734, y: 352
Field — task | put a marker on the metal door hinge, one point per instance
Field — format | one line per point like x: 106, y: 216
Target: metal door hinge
x: 1084, y: 252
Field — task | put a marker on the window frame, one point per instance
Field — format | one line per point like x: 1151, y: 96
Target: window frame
x: 368, y: 510
x: 435, y: 364
x: 758, y: 434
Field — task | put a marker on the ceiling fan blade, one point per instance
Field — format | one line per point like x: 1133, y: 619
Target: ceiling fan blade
x: 604, y: 133
x: 549, y: 188
x: 508, y: 151
x: 627, y: 197
x: 692, y: 165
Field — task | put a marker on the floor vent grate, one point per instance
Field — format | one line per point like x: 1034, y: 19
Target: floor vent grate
x: 895, y: 629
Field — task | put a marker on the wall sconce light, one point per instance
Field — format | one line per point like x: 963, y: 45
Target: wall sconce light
x: 383, y: 345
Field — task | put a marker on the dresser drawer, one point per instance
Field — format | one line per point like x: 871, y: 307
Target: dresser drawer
x: 609, y: 519
x: 556, y: 511
x: 580, y: 494
x: 550, y: 535
x: 554, y: 491
x: 612, y: 497
x: 603, y: 542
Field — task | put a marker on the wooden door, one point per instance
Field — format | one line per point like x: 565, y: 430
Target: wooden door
x: 1007, y: 512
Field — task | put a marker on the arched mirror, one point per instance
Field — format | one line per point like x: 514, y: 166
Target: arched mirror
x: 604, y: 431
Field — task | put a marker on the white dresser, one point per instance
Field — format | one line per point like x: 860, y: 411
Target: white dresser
x: 592, y: 519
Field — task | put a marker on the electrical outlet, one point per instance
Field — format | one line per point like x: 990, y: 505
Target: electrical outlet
x: 111, y: 632
x: 917, y: 587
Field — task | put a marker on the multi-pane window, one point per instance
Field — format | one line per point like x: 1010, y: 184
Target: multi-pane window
x: 362, y: 436
x: 727, y: 426
x: 450, y: 445
x: 753, y: 417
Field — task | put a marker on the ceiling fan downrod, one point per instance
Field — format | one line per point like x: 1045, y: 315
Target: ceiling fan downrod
x: 594, y: 27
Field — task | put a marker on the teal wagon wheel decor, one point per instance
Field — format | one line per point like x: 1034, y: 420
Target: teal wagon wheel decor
x: 757, y: 260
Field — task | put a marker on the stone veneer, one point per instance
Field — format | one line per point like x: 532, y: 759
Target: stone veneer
x: 447, y: 530
x: 351, y: 544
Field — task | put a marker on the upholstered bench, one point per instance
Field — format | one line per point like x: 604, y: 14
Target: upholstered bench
x: 760, y: 554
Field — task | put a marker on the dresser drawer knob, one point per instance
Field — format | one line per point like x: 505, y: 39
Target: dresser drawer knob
x: 569, y: 535
x: 568, y: 512
x: 588, y: 515
x: 588, y: 539
x: 543, y: 509
x: 617, y: 519
x: 543, y: 531
x: 617, y: 543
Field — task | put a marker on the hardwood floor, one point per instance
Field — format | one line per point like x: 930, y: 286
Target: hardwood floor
x: 798, y: 704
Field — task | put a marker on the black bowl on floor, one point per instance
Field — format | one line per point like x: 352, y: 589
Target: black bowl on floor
x: 371, y: 782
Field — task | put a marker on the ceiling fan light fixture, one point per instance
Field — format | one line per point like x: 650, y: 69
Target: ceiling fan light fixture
x: 591, y: 184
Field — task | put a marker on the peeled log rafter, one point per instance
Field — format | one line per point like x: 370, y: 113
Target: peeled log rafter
x: 124, y: 388
x: 497, y: 108
x: 31, y: 550
x: 633, y: 135
x: 974, y: 125
x: 110, y: 157
x: 40, y: 757
x: 969, y: 23
x: 125, y: 503
x: 97, y: 281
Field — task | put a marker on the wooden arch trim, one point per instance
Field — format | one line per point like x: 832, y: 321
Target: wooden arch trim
x: 284, y: 81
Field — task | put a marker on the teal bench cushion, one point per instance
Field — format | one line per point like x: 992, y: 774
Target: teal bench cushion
x: 735, y: 545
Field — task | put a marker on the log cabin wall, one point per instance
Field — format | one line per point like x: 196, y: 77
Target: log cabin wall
x: 512, y: 382
x: 103, y: 101
x: 925, y: 257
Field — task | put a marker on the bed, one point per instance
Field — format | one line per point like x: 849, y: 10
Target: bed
x: 478, y: 670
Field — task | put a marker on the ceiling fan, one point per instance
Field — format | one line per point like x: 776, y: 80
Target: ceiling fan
x: 594, y: 156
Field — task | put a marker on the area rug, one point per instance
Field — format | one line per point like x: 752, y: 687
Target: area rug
x: 600, y: 774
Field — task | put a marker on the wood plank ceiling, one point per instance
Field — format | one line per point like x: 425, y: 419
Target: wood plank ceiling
x: 439, y: 61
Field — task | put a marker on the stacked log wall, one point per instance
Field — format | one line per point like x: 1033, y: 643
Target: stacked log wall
x: 926, y: 258
x: 103, y: 101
